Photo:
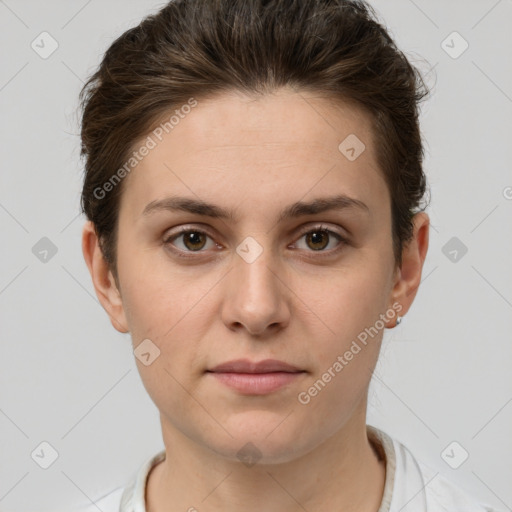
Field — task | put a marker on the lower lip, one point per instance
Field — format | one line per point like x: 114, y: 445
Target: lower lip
x: 256, y: 383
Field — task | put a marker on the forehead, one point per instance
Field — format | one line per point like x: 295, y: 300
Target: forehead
x: 232, y: 146
x: 282, y: 118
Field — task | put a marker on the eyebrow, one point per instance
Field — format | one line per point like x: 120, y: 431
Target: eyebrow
x: 298, y: 209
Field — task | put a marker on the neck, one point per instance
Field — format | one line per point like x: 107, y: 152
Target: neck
x: 343, y: 474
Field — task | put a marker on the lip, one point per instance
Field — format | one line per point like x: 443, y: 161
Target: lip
x: 247, y: 366
x: 255, y: 378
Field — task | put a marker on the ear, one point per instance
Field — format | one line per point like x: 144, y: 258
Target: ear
x: 408, y: 276
x: 103, y: 279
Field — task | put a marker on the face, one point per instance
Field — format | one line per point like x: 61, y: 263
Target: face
x: 258, y: 276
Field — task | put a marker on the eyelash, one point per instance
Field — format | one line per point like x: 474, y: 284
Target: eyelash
x: 319, y: 228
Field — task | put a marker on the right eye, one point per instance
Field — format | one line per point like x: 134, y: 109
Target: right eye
x: 192, y: 240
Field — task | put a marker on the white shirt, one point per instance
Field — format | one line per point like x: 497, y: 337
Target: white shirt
x: 410, y: 485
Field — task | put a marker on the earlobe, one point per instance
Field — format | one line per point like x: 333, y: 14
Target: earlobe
x: 103, y: 280
x: 408, y: 276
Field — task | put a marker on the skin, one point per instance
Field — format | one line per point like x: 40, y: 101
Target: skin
x: 257, y: 155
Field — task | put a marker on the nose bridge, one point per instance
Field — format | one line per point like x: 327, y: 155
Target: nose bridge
x: 253, y: 263
x: 256, y: 298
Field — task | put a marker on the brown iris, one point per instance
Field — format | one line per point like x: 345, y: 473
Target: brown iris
x: 319, y: 239
x: 194, y: 240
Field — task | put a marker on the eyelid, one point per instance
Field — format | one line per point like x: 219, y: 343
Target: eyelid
x: 188, y: 229
x: 321, y: 227
x: 200, y: 228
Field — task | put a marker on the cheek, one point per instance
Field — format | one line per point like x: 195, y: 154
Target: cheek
x: 347, y: 340
x: 345, y: 300
x: 349, y: 304
x: 164, y: 303
x: 152, y: 295
x: 163, y: 308
x: 149, y: 313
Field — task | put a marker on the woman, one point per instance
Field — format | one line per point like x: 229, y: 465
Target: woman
x: 253, y: 189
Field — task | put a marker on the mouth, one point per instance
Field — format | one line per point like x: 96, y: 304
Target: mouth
x: 255, y: 378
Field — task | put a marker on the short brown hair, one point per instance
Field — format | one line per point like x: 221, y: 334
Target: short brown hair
x: 196, y: 48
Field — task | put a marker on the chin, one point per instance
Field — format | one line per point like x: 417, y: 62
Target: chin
x: 261, y: 437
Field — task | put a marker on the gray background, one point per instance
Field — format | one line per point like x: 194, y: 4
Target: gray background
x: 68, y: 378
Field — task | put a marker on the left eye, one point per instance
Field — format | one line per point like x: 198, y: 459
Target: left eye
x: 318, y: 239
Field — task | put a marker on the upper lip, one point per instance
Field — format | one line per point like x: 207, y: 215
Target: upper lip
x: 247, y: 366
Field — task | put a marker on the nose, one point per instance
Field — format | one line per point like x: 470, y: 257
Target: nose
x: 255, y: 296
